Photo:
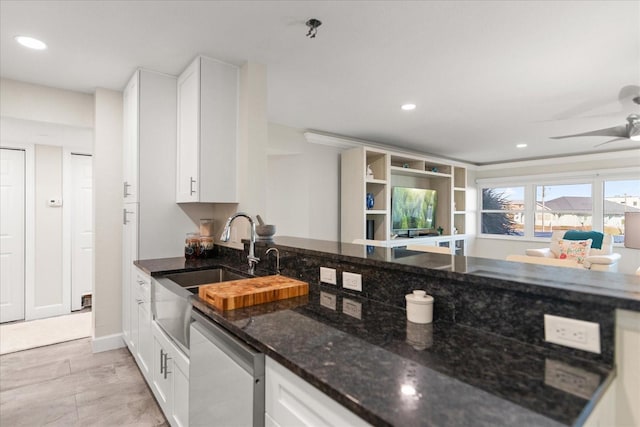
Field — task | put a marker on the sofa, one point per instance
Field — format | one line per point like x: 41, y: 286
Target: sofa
x: 577, y: 249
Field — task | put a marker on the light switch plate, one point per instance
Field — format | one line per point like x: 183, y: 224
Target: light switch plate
x: 572, y: 333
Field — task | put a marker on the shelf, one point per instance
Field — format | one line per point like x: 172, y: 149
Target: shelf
x: 460, y: 212
x: 376, y: 212
x: 376, y: 181
x: 415, y: 172
x: 459, y: 189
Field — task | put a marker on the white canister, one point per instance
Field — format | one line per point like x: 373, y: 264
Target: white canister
x: 419, y: 307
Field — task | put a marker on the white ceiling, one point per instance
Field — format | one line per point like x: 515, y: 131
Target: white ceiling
x: 485, y: 75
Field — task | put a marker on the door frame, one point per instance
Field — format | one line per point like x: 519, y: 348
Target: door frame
x: 29, y: 224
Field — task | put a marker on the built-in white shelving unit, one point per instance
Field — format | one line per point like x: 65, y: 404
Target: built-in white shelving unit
x: 391, y: 169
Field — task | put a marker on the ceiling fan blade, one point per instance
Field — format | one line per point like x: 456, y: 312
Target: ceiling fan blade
x: 611, y: 140
x: 619, y: 131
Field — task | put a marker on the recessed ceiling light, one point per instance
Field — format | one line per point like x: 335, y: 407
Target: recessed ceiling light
x: 408, y: 107
x: 31, y: 43
x: 521, y: 145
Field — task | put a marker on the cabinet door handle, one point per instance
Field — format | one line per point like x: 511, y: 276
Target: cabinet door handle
x: 140, y: 282
x: 162, y: 361
x: 191, y: 182
x: 124, y: 216
x: 126, y: 189
x: 139, y: 301
x: 166, y: 371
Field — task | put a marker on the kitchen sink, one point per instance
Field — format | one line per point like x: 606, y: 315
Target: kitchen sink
x: 202, y: 277
x: 170, y: 299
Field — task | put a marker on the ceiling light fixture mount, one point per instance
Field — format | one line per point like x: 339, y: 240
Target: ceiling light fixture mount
x: 31, y: 43
x: 313, y: 25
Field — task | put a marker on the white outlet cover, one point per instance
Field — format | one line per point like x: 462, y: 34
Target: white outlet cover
x: 352, y: 281
x: 572, y: 333
x: 328, y: 275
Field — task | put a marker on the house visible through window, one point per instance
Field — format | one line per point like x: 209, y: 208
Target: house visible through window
x: 563, y: 207
x: 598, y: 203
x: 620, y: 196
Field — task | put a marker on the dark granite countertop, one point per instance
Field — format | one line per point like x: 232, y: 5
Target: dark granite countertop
x: 392, y: 372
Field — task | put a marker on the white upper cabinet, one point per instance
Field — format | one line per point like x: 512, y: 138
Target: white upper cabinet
x: 130, y: 140
x: 207, y: 132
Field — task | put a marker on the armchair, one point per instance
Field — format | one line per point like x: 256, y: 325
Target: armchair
x: 599, y: 257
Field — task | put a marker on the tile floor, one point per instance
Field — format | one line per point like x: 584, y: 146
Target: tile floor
x: 68, y: 385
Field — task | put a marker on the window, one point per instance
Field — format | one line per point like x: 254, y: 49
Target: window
x: 550, y: 204
x: 620, y: 196
x: 563, y: 207
x: 503, y: 211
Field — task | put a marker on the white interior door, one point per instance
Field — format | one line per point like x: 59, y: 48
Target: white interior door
x: 12, y: 234
x: 81, y: 229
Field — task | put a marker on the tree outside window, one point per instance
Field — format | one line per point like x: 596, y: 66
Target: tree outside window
x: 503, y: 211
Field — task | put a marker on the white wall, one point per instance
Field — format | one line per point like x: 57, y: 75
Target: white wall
x: 48, y: 227
x: 107, y: 179
x: 303, y: 187
x: 488, y: 247
x: 45, y: 104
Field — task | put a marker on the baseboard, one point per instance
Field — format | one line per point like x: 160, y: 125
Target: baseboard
x: 106, y: 343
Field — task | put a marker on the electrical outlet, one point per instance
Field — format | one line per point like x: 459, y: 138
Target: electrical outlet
x: 328, y: 275
x: 328, y: 300
x: 352, y: 281
x: 352, y: 308
x: 572, y: 333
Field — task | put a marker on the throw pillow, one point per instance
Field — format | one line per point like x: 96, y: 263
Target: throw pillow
x: 571, y: 249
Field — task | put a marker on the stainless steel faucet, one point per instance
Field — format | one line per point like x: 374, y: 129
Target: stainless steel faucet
x: 226, y: 234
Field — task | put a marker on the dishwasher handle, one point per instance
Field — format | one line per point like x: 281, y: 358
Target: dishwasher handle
x: 246, y: 357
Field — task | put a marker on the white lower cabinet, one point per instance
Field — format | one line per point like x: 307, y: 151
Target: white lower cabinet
x: 170, y: 378
x: 291, y: 401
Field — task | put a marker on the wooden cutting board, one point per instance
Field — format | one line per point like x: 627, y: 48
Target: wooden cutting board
x: 247, y: 292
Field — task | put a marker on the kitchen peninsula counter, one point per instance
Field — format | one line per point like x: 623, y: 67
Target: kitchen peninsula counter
x: 464, y: 369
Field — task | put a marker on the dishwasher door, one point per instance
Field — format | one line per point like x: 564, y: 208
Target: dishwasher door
x: 226, y: 378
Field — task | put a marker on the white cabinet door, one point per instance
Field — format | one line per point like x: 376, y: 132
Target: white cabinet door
x: 129, y: 254
x: 141, y: 326
x: 187, y: 184
x: 145, y: 340
x: 207, y: 132
x: 180, y: 391
x: 130, y: 139
x: 170, y: 378
x: 162, y: 368
x: 291, y: 401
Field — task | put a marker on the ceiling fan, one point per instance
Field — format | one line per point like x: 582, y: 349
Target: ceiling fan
x: 630, y: 130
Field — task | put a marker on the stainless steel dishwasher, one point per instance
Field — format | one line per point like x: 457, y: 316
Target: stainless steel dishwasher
x: 226, y: 378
